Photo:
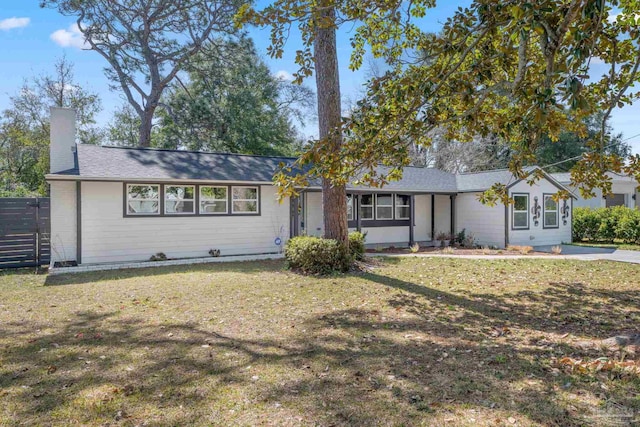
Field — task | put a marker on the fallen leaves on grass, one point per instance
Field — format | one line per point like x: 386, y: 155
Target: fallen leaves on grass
x: 602, y: 364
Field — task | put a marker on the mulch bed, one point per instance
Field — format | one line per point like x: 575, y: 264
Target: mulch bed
x: 456, y: 251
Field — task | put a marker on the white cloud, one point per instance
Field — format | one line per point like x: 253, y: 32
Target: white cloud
x: 283, y: 75
x: 71, y: 37
x: 11, y: 23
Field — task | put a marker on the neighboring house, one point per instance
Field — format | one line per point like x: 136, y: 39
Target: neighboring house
x: 112, y: 204
x: 624, y: 188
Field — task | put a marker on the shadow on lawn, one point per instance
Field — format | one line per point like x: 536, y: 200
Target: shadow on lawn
x: 342, y: 367
x: 151, y: 271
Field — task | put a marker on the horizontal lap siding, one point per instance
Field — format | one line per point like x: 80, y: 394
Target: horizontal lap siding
x: 109, y: 237
x: 422, y: 223
x: 63, y: 220
x: 486, y: 223
x: 442, y: 214
x: 538, y: 236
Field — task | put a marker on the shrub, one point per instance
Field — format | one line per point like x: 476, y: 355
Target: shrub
x: 460, y: 237
x: 586, y: 224
x: 314, y: 255
x: 415, y: 248
x: 606, y: 224
x: 160, y: 256
x: 556, y: 250
x: 356, y: 245
x: 628, y: 226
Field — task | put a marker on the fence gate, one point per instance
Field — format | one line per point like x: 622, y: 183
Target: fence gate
x: 24, y: 232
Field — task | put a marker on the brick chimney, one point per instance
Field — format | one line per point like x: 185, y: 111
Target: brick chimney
x: 62, y: 146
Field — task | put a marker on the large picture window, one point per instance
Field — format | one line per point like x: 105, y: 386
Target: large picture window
x: 520, y: 211
x: 143, y: 199
x: 244, y: 199
x: 366, y: 207
x: 403, y: 206
x: 213, y: 200
x: 550, y: 212
x: 179, y: 199
x: 384, y: 206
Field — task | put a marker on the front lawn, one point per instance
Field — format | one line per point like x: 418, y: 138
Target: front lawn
x: 414, y: 341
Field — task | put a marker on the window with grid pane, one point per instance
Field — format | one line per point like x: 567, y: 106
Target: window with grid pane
x: 143, y: 199
x: 213, y: 200
x: 244, y: 199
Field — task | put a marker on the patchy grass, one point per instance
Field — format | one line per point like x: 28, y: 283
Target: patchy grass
x: 415, y: 341
x: 615, y: 245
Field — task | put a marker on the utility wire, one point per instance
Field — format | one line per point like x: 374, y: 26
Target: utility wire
x: 578, y: 157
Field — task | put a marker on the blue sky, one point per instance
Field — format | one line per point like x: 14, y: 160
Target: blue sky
x: 31, y: 39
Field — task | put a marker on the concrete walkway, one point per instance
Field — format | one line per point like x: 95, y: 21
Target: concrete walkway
x: 587, y: 253
x: 569, y: 252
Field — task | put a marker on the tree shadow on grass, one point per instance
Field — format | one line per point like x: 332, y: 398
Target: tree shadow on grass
x: 252, y: 267
x: 422, y: 356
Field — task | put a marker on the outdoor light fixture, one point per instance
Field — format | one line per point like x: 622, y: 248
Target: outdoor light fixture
x: 565, y: 212
x: 535, y: 210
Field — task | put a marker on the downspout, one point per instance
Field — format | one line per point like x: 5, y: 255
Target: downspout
x: 433, y: 217
x: 79, y: 222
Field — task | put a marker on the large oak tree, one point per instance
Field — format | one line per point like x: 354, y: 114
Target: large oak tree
x: 148, y: 42
x: 519, y: 70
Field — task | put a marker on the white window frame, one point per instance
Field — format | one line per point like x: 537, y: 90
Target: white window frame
x: 350, y: 207
x: 193, y: 211
x: 372, y: 206
x: 395, y: 202
x: 158, y: 199
x: 208, y: 199
x: 257, y: 200
x: 514, y: 211
x: 392, y: 196
x: 544, y: 212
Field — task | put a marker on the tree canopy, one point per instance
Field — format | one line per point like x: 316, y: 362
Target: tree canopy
x: 518, y: 70
x: 233, y: 103
x: 24, y: 127
x: 148, y: 42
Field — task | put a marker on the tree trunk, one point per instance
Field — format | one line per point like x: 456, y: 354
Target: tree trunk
x: 146, y: 123
x: 334, y: 197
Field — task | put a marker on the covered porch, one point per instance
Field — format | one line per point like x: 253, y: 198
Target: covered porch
x: 389, y: 218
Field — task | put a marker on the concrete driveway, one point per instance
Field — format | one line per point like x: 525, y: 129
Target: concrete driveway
x: 590, y: 253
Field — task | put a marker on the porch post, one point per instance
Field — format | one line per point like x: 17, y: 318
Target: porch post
x: 433, y: 217
x: 295, y: 217
x: 412, y: 216
x: 453, y: 214
x: 356, y: 211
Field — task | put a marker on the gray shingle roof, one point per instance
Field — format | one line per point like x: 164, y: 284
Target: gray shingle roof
x: 480, y: 181
x: 140, y: 163
x: 420, y: 179
x: 118, y: 163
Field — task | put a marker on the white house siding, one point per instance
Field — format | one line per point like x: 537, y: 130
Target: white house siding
x: 107, y: 236
x: 442, y: 214
x: 379, y: 235
x: 593, y: 203
x: 628, y: 188
x: 63, y: 221
x: 313, y: 224
x: 537, y: 235
x: 422, y: 225
x: 486, y: 223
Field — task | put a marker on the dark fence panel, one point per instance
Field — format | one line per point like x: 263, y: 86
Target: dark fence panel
x: 24, y: 232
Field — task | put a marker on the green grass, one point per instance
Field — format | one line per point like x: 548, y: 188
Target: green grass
x: 615, y: 245
x: 414, y: 341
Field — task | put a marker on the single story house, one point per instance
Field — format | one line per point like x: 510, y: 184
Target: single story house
x: 625, y: 192
x: 114, y: 204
